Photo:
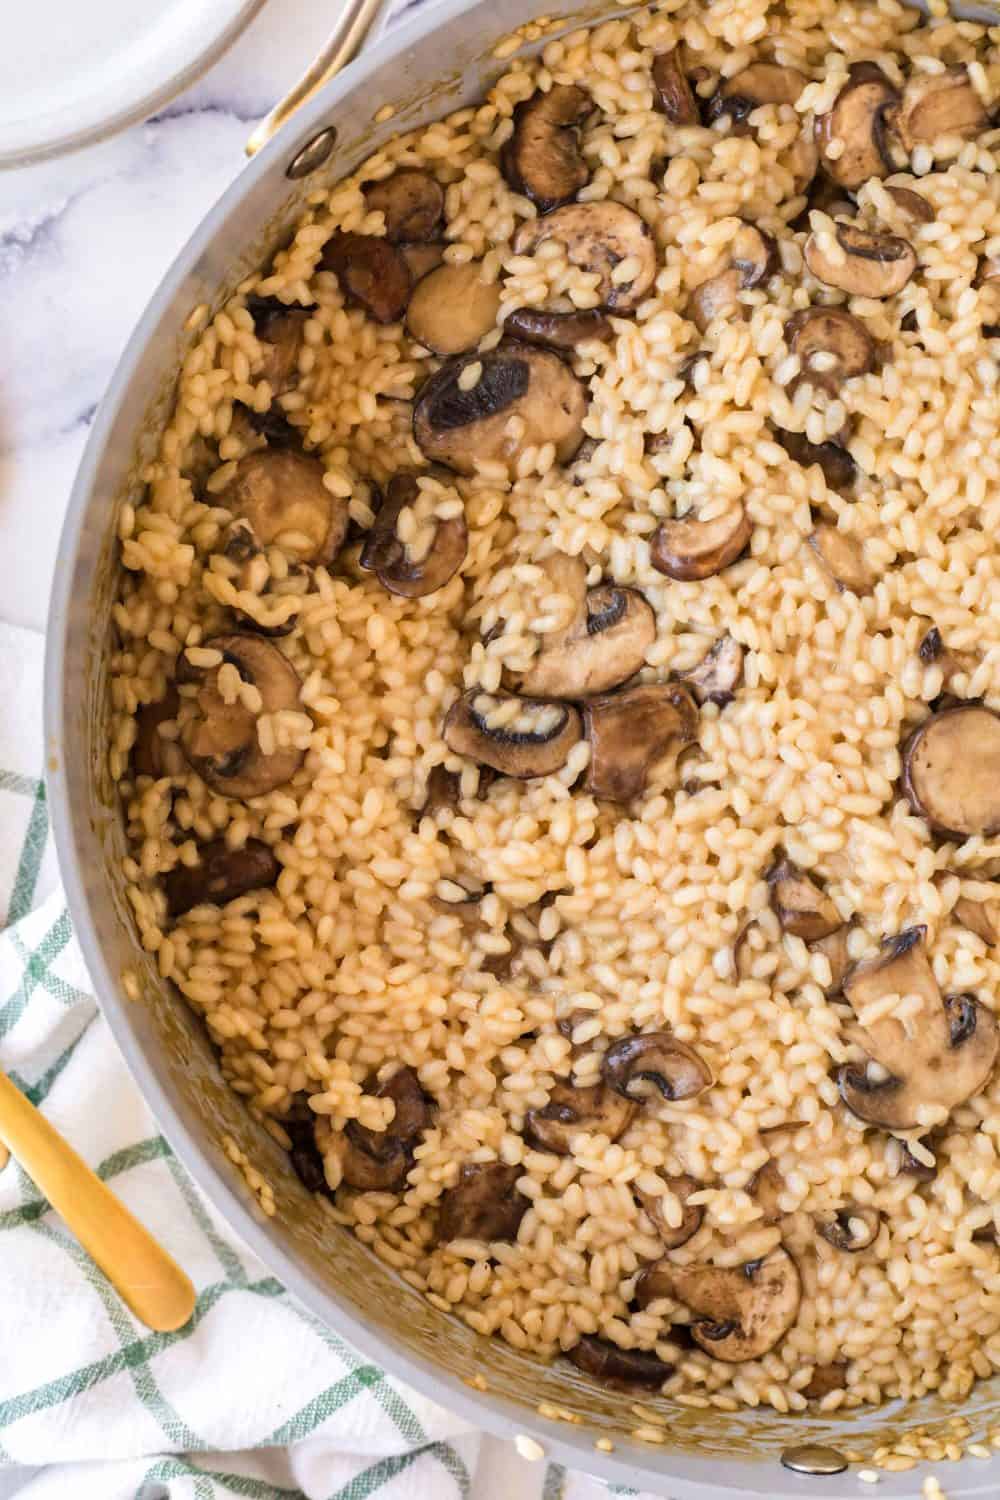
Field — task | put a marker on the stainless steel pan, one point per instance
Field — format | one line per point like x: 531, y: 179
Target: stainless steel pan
x: 435, y: 63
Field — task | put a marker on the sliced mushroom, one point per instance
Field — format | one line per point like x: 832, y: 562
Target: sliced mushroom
x: 850, y: 1228
x: 631, y: 731
x: 835, y: 950
x: 913, y: 205
x: 543, y: 159
x: 392, y: 560
x: 443, y: 790
x: 533, y: 739
x: 453, y: 308
x: 942, y: 1056
x: 751, y: 257
x: 379, y: 1160
x: 304, y: 1154
x: 951, y: 771
x: 832, y: 344
x: 413, y: 204
x: 714, y: 298
x: 743, y: 1310
x: 688, y: 549
x: 571, y: 1110
x: 272, y: 425
x: 461, y: 425
x: 856, y: 119
x: 281, y: 495
x: 923, y: 1171
x: 843, y: 558
x: 563, y: 332
x: 422, y: 259
x: 619, y: 1367
x: 765, y: 1187
x: 149, y: 750
x: 371, y: 272
x: 599, y: 237
x: 873, y: 265
x: 768, y: 83
x: 603, y: 645
x: 483, y: 1205
x: 718, y: 674
x: 655, y: 1062
x: 221, y: 875
x: 798, y: 903
x: 218, y: 738
x: 674, y: 1235
x: 673, y: 94
x: 824, y: 1379
x: 280, y: 328
x: 978, y: 918
x: 839, y: 469
x: 935, y: 105
x: 742, y: 952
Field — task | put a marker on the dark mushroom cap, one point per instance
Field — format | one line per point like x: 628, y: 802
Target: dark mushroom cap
x: 280, y: 328
x: 839, y: 468
x: 461, y: 428
x: 413, y: 203
x: 874, y: 265
x: 672, y: 93
x: 219, y: 739
x: 936, y: 105
x: 281, y: 495
x: 798, y: 903
x: 941, y: 1057
x: 631, y: 731
x: 743, y: 1310
x: 452, y: 308
x: 824, y: 1379
x: 483, y: 1205
x: 221, y: 875
x: 751, y: 257
x: 619, y: 1367
x: 913, y: 205
x: 535, y: 742
x: 390, y: 559
x: 422, y: 259
x: 849, y: 1228
x: 835, y: 333
x: 714, y: 298
x: 443, y: 790
x: 718, y: 674
x: 604, y: 645
x: 951, y: 771
x: 843, y: 557
x: 857, y: 119
x: 689, y: 549
x: 674, y: 1235
x: 562, y: 331
x: 371, y: 272
x: 149, y: 750
x: 379, y: 1160
x: 598, y: 236
x: 542, y: 159
x: 655, y: 1062
x: 571, y: 1110
x: 765, y: 1187
x: 912, y: 1165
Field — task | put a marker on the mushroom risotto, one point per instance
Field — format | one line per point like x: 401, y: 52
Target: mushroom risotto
x: 557, y: 689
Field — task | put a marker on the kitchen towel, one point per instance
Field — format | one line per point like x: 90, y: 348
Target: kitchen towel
x: 253, y: 1397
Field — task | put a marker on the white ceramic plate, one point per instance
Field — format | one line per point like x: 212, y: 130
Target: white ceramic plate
x: 73, y: 71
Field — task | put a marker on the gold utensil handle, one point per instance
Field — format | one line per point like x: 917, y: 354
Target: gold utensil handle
x: 146, y: 1277
x: 353, y: 25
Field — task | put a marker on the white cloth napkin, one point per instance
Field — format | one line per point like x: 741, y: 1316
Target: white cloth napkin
x: 253, y: 1398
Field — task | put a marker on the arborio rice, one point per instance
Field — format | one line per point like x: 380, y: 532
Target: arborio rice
x: 556, y: 992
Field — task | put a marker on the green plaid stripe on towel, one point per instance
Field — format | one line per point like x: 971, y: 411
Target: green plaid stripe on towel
x: 253, y: 1398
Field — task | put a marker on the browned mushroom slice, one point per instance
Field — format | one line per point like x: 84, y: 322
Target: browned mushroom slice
x: 572, y: 1110
x: 856, y: 120
x: 619, y: 1367
x: 483, y: 1205
x: 654, y: 1062
x: 978, y: 918
x: 718, y: 674
x: 462, y: 425
x: 443, y: 790
x: 798, y: 903
x: 752, y: 256
x: 743, y: 1311
x: 765, y: 1187
x: 843, y: 557
x: 913, y: 205
x: 282, y: 496
x: 912, y: 1165
x: 824, y: 1379
x: 519, y: 737
x: 673, y: 93
x: 453, y: 308
x: 221, y: 875
x: 148, y: 752
x: 760, y: 83
x: 422, y: 259
x: 395, y: 563
x: 604, y: 645
x: 379, y: 1160
x: 631, y: 731
x: 942, y: 1056
x: 599, y: 238
x: 688, y: 549
x: 935, y: 105
x: 951, y: 771
x: 873, y: 265
x: 563, y: 332
x: 849, y: 1228
x: 835, y: 950
x: 543, y: 159
x: 371, y: 272
x: 413, y: 204
x: 839, y: 469
x: 280, y: 328
x: 714, y: 298
x: 832, y: 344
x: 674, y: 1235
x: 218, y: 738
x: 742, y: 951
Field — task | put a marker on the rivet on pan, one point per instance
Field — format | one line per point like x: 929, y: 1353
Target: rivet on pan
x: 313, y: 154
x: 813, y: 1458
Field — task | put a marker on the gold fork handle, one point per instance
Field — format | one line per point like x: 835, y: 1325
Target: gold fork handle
x: 146, y: 1277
